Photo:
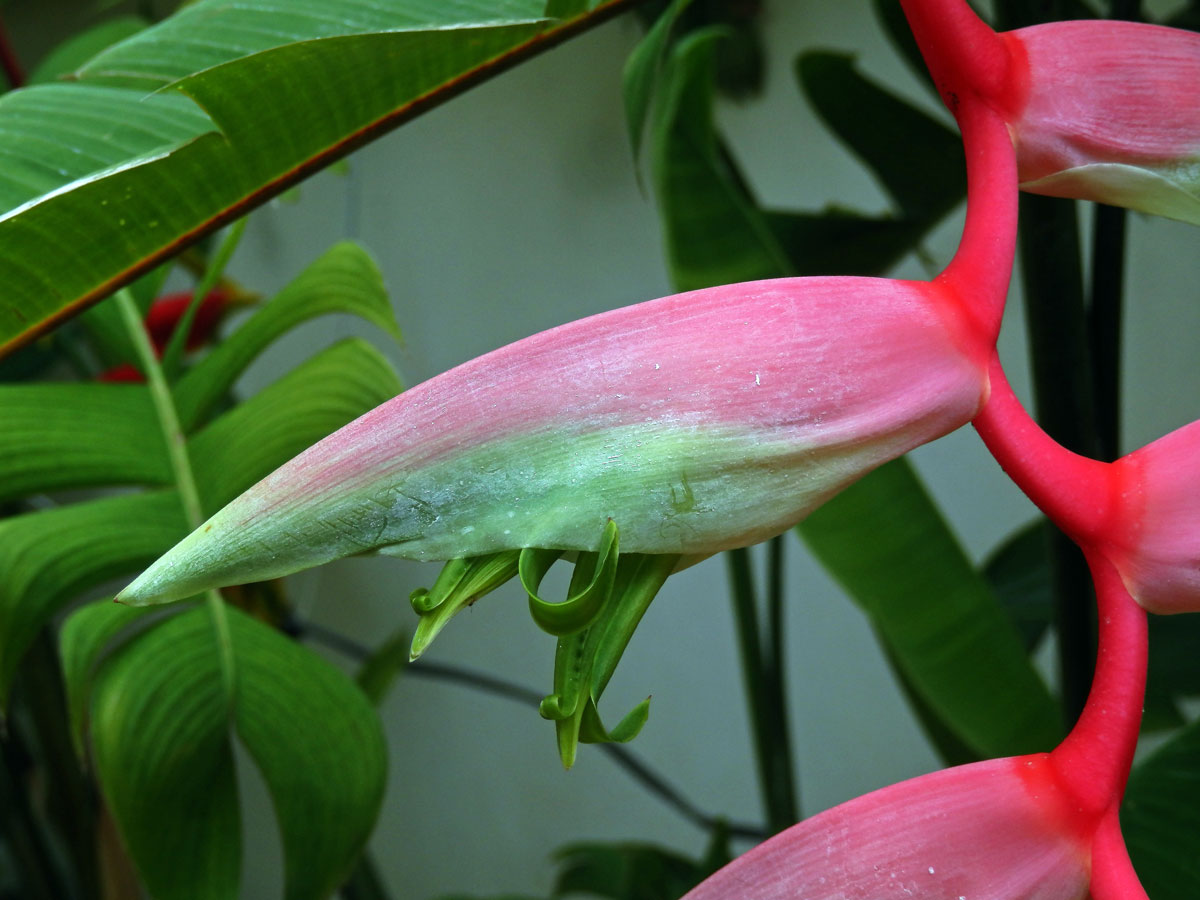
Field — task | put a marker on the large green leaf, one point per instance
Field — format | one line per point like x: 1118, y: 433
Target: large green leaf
x: 48, y: 557
x: 78, y: 435
x: 917, y: 159
x: 886, y: 543
x: 313, y: 400
x: 1161, y: 818
x: 290, y: 87
x: 343, y: 280
x: 161, y: 733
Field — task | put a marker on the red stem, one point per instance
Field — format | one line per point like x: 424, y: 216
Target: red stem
x: 963, y: 53
x: 981, y: 268
x: 1074, y: 491
x: 1093, y: 760
x: 1113, y: 877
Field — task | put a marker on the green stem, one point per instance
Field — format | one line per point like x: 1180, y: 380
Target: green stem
x: 173, y: 355
x: 1063, y: 398
x: 768, y: 719
x: 181, y: 467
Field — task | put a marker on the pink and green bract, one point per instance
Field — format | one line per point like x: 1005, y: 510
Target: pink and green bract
x: 697, y: 422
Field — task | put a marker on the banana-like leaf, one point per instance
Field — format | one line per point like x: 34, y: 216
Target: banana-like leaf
x: 48, y: 557
x: 343, y: 280
x: 884, y: 540
x: 313, y: 400
x: 285, y: 89
x: 161, y: 733
x: 62, y: 435
x: 1161, y: 818
x: 940, y: 623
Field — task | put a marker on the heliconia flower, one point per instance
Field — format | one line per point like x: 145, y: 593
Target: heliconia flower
x: 1098, y: 110
x: 1037, y: 827
x: 1142, y: 512
x: 697, y: 422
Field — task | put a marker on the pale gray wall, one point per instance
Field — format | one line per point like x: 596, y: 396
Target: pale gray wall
x: 513, y: 209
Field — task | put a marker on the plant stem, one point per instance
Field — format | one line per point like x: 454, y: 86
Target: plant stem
x: 481, y: 681
x: 768, y: 716
x: 181, y: 467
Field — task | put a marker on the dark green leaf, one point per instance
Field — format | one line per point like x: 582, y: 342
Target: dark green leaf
x: 313, y: 400
x: 48, y: 557
x: 161, y: 732
x: 1161, y: 818
x: 1019, y: 573
x: 887, y: 544
x: 918, y: 160
x: 82, y: 640
x: 320, y: 748
x: 713, y: 232
x: 343, y: 280
x: 840, y: 242
x: 160, y: 737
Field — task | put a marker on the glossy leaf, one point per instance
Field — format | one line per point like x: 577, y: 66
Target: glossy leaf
x: 1161, y: 818
x: 884, y: 540
x: 162, y: 740
x: 316, y: 398
x: 61, y: 435
x: 292, y: 88
x: 48, y: 557
x: 343, y: 280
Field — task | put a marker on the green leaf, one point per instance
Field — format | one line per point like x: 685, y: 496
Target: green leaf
x: 291, y: 90
x: 343, y: 280
x: 64, y: 435
x: 82, y: 640
x: 160, y: 739
x: 460, y: 583
x: 1019, y: 573
x: 582, y: 605
x: 640, y: 75
x: 161, y: 732
x: 712, y: 231
x: 313, y: 400
x: 917, y: 159
x: 72, y: 53
x: 885, y: 541
x: 320, y: 747
x: 1161, y: 818
x: 48, y: 557
x: 840, y: 242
